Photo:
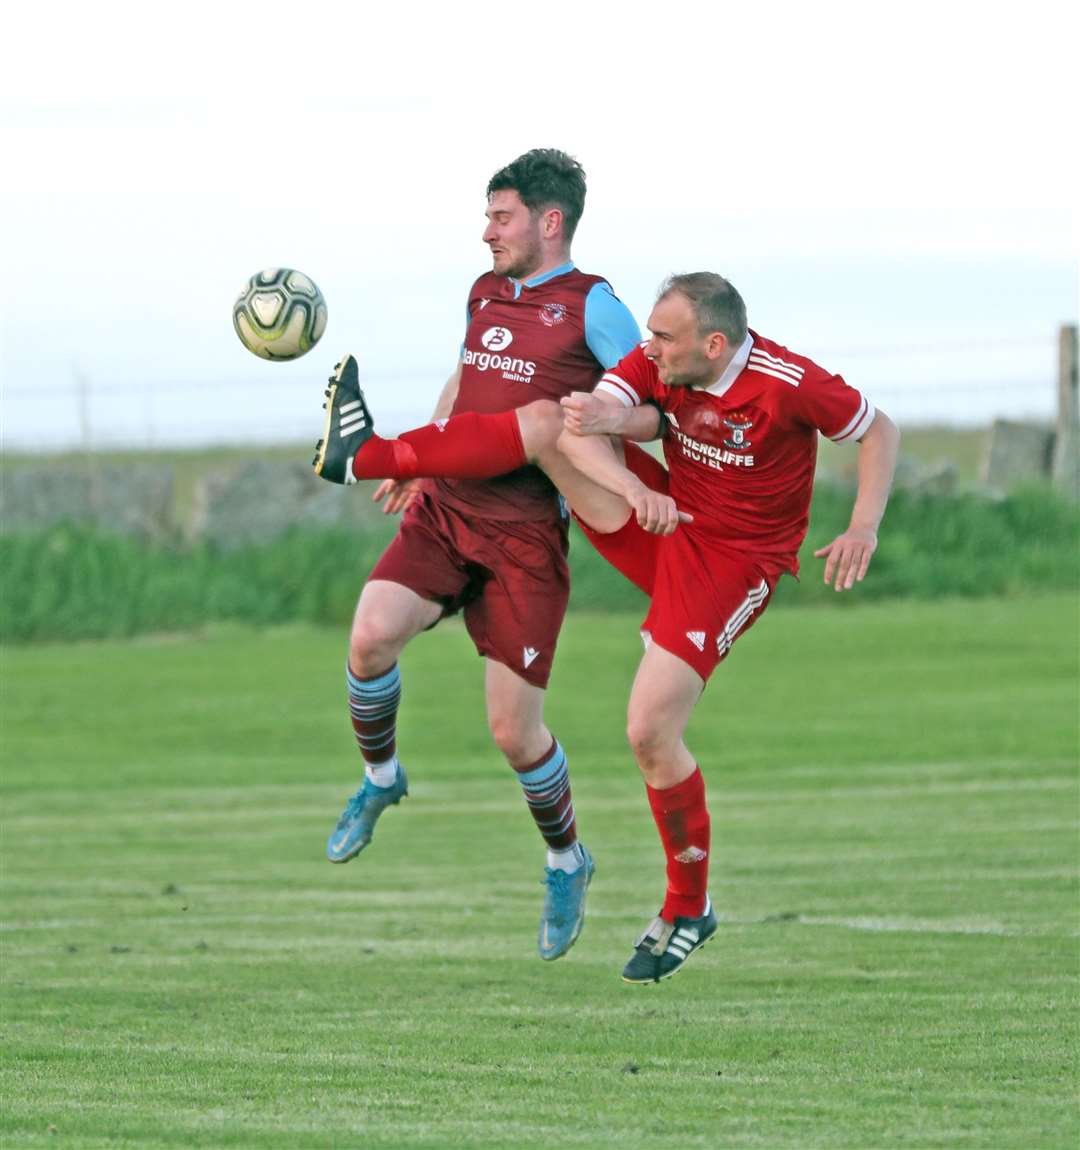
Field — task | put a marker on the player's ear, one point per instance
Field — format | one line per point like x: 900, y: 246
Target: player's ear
x: 551, y: 224
x: 716, y: 344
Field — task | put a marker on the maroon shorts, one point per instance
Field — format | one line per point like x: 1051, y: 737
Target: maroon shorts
x: 703, y: 597
x: 509, y: 579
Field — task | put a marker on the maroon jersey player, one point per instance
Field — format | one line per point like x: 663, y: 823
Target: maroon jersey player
x: 538, y: 330
x: 527, y: 342
x: 709, y: 536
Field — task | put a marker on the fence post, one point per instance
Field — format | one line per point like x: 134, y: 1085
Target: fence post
x: 1065, y: 468
x: 90, y: 465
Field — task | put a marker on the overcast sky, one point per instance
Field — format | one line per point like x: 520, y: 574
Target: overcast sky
x: 894, y: 193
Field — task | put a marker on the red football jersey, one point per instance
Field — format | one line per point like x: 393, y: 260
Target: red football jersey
x: 741, y: 453
x: 522, y: 344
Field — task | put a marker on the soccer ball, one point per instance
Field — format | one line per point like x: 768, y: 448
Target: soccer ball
x: 280, y: 314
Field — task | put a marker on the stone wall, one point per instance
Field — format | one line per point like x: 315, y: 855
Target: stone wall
x: 244, y: 502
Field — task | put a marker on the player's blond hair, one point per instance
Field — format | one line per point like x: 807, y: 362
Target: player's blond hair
x: 716, y: 303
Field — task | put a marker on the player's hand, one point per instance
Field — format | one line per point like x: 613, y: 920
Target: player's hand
x: 847, y: 557
x: 398, y: 493
x: 585, y: 414
x: 656, y: 513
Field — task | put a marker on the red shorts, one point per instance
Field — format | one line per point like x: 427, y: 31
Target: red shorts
x: 702, y: 597
x: 510, y: 579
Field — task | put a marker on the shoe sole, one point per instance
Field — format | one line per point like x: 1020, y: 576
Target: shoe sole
x: 349, y: 857
x: 670, y: 973
x: 353, y: 853
x: 320, y: 451
x: 566, y: 949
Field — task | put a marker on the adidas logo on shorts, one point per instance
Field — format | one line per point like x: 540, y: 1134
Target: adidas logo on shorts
x: 697, y: 638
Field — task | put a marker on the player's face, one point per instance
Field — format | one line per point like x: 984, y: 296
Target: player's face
x: 683, y: 357
x: 513, y: 236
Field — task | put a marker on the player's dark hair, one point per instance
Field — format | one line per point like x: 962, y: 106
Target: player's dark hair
x: 545, y: 178
x: 716, y: 303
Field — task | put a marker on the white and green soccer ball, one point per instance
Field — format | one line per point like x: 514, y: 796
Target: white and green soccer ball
x: 280, y: 314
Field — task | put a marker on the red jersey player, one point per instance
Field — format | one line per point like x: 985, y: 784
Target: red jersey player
x: 538, y: 330
x: 708, y: 537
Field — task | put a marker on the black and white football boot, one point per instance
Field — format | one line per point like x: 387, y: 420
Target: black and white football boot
x: 348, y: 424
x: 664, y: 947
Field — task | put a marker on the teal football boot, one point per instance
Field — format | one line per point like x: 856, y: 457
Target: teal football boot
x: 357, y: 823
x: 564, y: 907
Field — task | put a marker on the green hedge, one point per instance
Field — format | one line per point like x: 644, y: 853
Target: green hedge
x: 934, y: 546
x: 77, y: 583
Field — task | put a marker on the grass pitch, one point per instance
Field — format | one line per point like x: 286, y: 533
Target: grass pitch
x: 894, y: 795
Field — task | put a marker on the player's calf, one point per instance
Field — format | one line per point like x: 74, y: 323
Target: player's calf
x: 545, y: 784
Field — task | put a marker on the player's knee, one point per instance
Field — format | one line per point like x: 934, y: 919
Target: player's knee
x: 567, y: 444
x: 372, y: 646
x: 541, y: 424
x: 511, y: 736
x: 649, y: 745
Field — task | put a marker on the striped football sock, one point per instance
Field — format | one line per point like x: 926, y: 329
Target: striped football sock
x: 373, y: 708
x: 546, y: 784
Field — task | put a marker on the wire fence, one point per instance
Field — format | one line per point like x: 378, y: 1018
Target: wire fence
x: 962, y: 383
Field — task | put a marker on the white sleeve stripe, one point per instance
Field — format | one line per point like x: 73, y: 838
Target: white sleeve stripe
x: 765, y: 365
x: 774, y: 373
x: 619, y: 393
x: 776, y: 361
x: 851, y: 424
x: 859, y: 426
x: 611, y: 377
x: 619, y: 388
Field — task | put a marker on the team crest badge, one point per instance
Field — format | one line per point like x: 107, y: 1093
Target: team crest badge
x: 738, y: 425
x: 552, y: 313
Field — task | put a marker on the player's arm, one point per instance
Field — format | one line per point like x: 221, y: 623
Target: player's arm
x: 599, y: 413
x: 399, y: 493
x: 448, y: 395
x: 595, y: 455
x: 611, y: 333
x: 847, y: 557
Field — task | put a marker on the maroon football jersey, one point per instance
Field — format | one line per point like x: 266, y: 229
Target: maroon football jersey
x: 522, y: 344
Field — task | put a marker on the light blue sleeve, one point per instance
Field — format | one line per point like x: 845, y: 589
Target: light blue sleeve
x: 610, y: 330
x: 468, y: 320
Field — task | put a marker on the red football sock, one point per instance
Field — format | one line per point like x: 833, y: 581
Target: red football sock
x: 682, y: 819
x: 467, y: 446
